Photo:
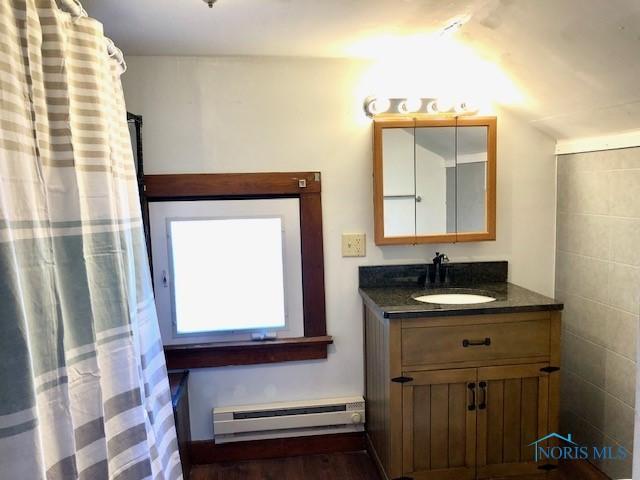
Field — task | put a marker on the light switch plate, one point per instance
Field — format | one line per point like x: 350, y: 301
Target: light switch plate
x: 354, y: 245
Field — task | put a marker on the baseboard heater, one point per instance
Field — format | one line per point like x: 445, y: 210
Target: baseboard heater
x: 288, y: 419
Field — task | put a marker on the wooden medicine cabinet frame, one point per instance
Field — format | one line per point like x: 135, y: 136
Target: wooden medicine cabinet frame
x: 380, y: 124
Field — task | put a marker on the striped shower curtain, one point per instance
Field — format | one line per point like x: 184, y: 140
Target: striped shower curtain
x: 83, y: 384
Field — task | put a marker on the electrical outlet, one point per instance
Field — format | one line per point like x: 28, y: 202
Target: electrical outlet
x: 354, y: 245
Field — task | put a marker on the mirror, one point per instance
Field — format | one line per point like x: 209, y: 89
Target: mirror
x: 399, y: 185
x: 470, y: 178
x: 434, y: 180
x: 435, y: 164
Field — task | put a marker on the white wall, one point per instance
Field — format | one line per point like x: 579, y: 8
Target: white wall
x: 276, y: 114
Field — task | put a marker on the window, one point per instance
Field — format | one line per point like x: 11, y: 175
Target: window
x: 295, y: 197
x: 224, y: 269
x: 227, y: 274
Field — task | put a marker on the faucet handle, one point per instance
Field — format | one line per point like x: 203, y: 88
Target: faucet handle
x: 440, y: 258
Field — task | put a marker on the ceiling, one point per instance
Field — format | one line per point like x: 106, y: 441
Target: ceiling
x: 576, y: 62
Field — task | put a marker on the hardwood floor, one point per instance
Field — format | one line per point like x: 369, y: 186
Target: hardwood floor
x: 581, y: 470
x: 341, y: 466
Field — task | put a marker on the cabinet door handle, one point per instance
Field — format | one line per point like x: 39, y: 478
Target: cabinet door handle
x: 476, y: 343
x: 472, y: 388
x: 483, y: 389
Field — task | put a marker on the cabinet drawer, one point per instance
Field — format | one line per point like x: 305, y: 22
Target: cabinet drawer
x: 463, y: 343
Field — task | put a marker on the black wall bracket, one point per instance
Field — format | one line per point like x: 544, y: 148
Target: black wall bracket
x: 549, y: 369
x: 402, y: 379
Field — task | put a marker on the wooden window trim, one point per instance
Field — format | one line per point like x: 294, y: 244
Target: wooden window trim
x: 306, y: 186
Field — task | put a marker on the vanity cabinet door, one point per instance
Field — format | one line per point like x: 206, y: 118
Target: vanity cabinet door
x: 439, y: 425
x: 513, y: 412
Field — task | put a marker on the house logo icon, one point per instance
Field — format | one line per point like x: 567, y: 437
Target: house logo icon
x: 568, y: 439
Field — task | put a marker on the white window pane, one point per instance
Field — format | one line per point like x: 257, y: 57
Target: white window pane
x: 227, y: 274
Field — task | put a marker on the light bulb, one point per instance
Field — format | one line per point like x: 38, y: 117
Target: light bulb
x: 432, y: 107
x: 410, y: 105
x: 375, y: 106
x: 471, y: 107
x: 380, y: 105
x: 460, y: 107
x: 443, y: 105
x: 465, y: 107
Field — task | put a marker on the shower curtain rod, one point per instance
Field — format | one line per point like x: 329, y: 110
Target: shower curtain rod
x: 75, y: 8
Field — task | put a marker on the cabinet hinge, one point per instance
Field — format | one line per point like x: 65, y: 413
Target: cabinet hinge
x: 547, y: 467
x: 549, y: 369
x: 402, y: 380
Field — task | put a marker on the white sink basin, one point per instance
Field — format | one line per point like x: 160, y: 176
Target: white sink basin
x: 454, y: 299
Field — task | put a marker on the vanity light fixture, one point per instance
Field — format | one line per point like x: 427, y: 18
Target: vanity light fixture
x: 375, y: 105
x: 410, y: 105
x: 432, y: 107
x: 460, y: 107
x: 423, y: 106
x: 444, y: 106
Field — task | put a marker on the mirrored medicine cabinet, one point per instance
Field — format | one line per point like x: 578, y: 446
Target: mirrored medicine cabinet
x: 434, y: 180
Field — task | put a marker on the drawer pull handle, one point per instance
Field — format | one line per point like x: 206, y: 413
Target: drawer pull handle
x: 472, y: 388
x: 483, y: 402
x: 476, y: 343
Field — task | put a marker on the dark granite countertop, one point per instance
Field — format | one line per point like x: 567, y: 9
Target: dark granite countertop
x: 398, y: 302
x: 389, y: 289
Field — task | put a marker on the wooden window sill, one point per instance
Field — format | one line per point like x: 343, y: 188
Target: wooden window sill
x: 221, y: 354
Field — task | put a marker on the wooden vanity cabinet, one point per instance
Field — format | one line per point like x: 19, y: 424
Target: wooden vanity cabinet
x: 461, y: 397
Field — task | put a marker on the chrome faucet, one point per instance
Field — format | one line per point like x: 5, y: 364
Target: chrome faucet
x: 437, y: 274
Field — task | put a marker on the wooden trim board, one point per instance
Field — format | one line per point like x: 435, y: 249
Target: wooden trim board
x: 196, y: 185
x: 203, y: 452
x: 221, y: 354
x: 312, y: 265
x: 595, y: 144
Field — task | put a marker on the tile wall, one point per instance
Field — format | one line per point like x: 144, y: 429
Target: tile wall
x: 598, y: 278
